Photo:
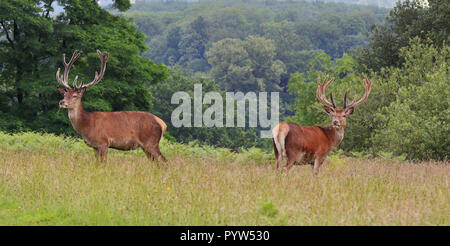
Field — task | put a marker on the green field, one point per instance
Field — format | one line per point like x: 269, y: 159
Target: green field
x: 50, y: 180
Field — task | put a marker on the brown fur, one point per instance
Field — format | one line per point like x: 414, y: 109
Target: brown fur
x: 306, y: 144
x: 124, y: 130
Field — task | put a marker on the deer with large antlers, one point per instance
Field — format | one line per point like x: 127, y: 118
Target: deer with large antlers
x: 124, y: 130
x: 311, y: 144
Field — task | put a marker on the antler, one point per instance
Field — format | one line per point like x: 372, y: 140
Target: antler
x: 103, y: 58
x: 321, y: 91
x: 64, y: 80
x: 367, y: 85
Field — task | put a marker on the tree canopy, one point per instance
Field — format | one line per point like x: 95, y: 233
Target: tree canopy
x: 191, y: 37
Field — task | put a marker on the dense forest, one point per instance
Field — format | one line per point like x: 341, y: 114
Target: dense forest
x: 158, y: 48
x: 270, y: 39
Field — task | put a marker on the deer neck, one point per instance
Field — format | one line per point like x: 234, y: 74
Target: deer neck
x: 335, y: 135
x: 78, y: 117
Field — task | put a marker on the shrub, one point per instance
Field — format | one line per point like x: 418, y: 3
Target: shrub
x: 417, y: 123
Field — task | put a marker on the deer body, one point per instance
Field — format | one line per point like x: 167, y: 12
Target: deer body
x: 311, y: 144
x: 123, y: 130
x: 304, y: 144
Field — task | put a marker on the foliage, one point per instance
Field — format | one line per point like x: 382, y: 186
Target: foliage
x: 230, y: 137
x: 289, y: 32
x: 409, y: 19
x: 246, y: 65
x: 417, y: 122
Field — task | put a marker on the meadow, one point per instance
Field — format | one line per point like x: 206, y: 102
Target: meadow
x: 51, y: 180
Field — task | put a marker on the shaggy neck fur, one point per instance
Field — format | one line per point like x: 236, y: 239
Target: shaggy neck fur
x: 77, y: 116
x: 335, y: 135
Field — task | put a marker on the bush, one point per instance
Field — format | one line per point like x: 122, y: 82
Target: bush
x: 417, y: 123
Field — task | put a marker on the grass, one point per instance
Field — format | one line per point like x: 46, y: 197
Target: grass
x: 50, y: 180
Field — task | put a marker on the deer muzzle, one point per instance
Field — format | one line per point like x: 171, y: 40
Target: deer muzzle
x: 62, y: 104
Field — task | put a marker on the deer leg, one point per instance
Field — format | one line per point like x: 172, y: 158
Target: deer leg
x: 278, y: 156
x: 149, y: 154
x: 279, y: 159
x: 290, y: 160
x: 317, y: 163
x: 96, y: 153
x: 289, y: 163
x: 153, y: 153
x: 300, y: 157
x: 291, y: 157
x: 102, y: 153
x: 156, y: 152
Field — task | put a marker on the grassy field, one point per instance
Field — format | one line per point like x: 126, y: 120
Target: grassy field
x: 49, y: 180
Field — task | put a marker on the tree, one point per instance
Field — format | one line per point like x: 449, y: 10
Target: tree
x: 246, y: 65
x: 289, y: 45
x: 192, y: 46
x: 180, y: 33
x: 230, y: 65
x: 416, y: 124
x: 407, y: 20
x: 229, y: 137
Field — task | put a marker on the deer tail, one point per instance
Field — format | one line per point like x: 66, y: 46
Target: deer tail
x: 279, y: 134
x: 163, y: 126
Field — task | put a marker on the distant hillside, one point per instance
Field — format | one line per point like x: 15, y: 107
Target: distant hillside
x: 190, y: 36
x: 378, y: 3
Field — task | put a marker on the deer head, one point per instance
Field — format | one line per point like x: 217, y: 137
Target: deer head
x: 72, y: 96
x: 339, y: 115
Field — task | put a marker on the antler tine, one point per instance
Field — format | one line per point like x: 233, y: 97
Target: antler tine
x: 345, y: 99
x: 67, y: 66
x: 332, y: 100
x: 60, y: 79
x: 321, y: 91
x: 75, y: 82
x: 367, y: 86
x: 64, y: 79
x: 103, y: 58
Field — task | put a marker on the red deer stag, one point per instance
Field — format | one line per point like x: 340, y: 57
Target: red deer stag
x: 311, y: 144
x: 124, y: 130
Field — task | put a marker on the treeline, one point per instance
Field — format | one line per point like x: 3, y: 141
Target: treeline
x: 378, y: 3
x: 250, y: 45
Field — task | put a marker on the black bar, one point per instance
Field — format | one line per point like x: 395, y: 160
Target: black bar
x: 228, y: 234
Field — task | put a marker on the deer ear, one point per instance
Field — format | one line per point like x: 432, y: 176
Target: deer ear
x: 349, y: 111
x: 61, y: 90
x: 328, y: 109
x: 82, y: 91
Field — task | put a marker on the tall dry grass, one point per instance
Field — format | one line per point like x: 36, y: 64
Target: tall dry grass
x: 48, y: 180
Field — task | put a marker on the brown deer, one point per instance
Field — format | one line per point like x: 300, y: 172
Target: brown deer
x: 311, y: 144
x: 124, y: 130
